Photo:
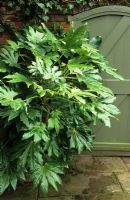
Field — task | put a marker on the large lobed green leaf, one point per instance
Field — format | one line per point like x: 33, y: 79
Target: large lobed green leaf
x: 51, y: 91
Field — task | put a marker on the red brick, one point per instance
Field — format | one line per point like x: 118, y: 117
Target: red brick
x: 3, y: 38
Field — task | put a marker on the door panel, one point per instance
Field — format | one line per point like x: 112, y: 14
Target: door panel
x: 113, y: 25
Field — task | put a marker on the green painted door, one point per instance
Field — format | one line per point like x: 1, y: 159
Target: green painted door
x: 112, y: 23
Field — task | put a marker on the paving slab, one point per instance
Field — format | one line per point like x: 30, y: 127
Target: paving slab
x: 101, y: 164
x: 119, y: 196
x: 126, y: 160
x: 82, y: 163
x: 112, y: 164
x: 122, y: 196
x: 58, y: 198
x: 124, y: 179
x: 86, y: 183
x: 24, y: 192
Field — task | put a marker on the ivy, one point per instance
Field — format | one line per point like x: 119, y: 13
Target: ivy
x: 41, y: 9
x: 33, y: 11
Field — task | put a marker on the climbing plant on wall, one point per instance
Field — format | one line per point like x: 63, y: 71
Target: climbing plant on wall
x: 36, y: 11
x: 33, y: 11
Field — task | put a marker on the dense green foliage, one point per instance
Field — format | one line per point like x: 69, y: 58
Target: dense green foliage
x: 51, y: 90
x: 42, y: 7
x: 34, y: 11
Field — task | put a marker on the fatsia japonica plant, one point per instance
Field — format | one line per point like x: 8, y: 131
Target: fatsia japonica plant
x: 51, y: 91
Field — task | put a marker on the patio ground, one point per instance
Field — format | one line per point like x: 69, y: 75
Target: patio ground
x: 90, y: 178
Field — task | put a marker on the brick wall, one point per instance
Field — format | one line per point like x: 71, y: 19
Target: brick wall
x: 55, y: 17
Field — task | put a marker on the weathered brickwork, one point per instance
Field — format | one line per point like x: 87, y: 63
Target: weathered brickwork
x: 55, y: 17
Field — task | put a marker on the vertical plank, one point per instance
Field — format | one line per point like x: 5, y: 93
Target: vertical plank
x: 113, y: 24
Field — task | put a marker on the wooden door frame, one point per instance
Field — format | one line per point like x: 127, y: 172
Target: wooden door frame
x: 77, y: 20
x: 101, y: 11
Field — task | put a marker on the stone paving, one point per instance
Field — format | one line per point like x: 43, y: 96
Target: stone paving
x: 90, y: 178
